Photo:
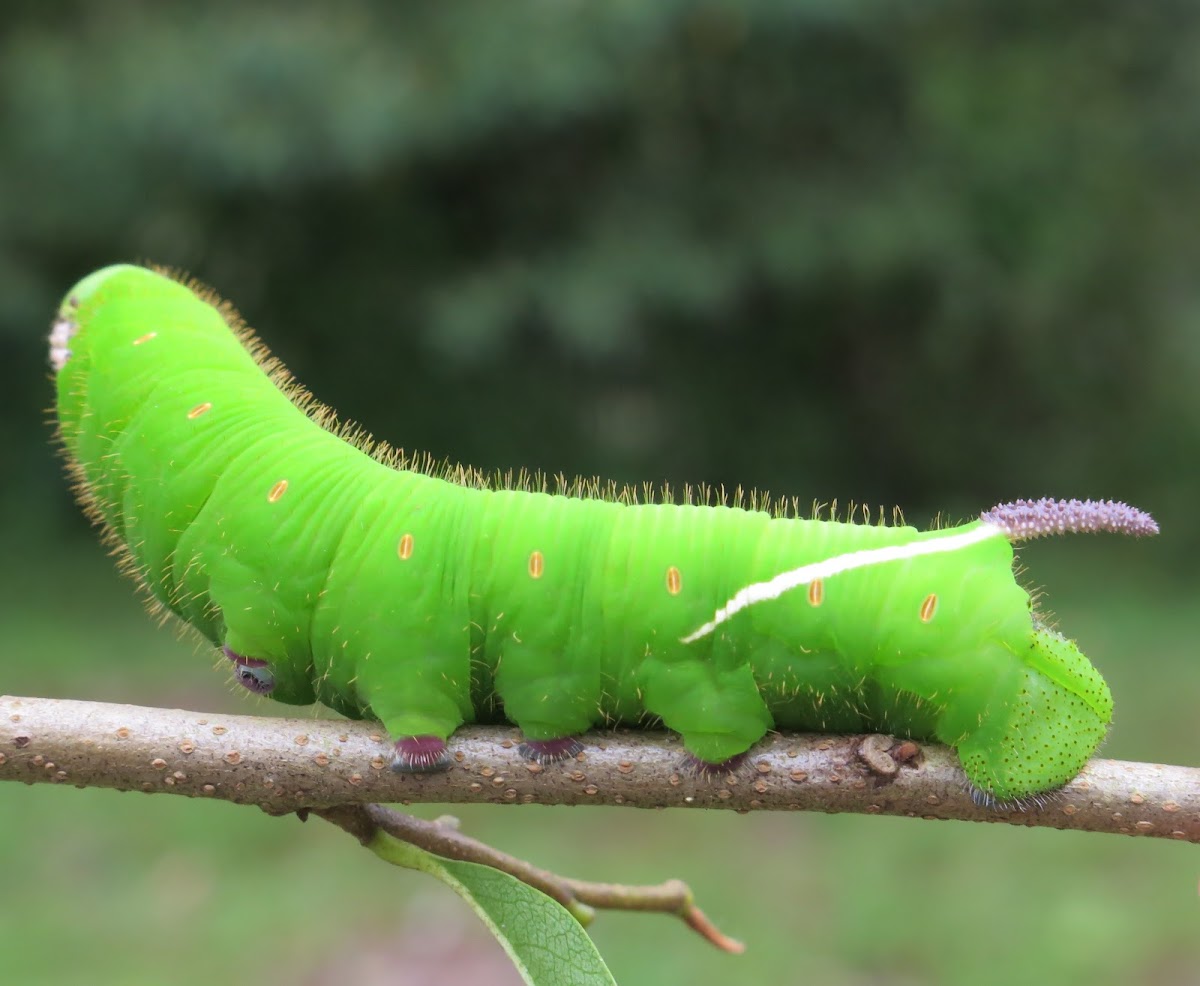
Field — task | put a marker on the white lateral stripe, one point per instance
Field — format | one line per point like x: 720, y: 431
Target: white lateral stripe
x: 760, y: 592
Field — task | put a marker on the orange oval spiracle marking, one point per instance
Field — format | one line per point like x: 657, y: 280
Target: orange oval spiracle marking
x: 929, y: 607
x: 277, y: 491
x: 404, y: 548
x: 199, y: 409
x: 816, y: 592
x: 674, y: 581
x: 537, y: 565
x: 146, y: 338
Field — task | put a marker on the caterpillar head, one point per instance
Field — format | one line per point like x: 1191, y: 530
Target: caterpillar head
x: 66, y: 322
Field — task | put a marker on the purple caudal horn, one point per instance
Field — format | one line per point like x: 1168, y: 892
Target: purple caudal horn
x: 1023, y: 520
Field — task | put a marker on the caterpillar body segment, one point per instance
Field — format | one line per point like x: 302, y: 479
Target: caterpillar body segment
x: 384, y: 591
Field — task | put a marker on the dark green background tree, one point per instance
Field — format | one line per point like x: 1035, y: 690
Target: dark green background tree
x: 933, y: 256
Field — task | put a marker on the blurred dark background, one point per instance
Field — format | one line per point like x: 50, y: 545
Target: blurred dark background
x: 936, y: 255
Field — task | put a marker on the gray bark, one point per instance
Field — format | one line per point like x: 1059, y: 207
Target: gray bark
x: 287, y: 764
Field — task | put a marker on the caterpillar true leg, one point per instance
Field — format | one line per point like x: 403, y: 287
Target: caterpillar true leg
x: 252, y: 673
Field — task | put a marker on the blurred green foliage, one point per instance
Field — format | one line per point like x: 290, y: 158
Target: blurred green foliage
x: 935, y: 254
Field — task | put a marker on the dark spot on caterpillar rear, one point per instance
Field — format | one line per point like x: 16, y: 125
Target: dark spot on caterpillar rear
x: 251, y: 673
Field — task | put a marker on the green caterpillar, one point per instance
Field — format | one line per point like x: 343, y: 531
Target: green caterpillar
x: 328, y: 575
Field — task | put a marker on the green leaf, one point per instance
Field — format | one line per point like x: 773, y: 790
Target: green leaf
x: 545, y: 941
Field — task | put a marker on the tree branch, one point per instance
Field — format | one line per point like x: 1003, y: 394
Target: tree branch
x: 289, y: 764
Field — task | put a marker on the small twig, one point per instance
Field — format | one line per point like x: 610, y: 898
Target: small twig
x: 442, y: 838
